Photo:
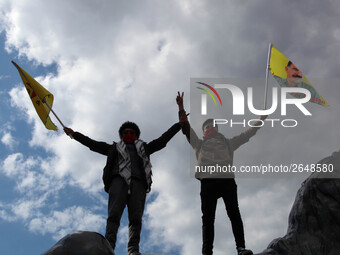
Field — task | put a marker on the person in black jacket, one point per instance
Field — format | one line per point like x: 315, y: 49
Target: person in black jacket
x: 127, y: 177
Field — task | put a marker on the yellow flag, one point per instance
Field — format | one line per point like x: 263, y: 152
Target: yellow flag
x: 38, y: 95
x: 288, y: 75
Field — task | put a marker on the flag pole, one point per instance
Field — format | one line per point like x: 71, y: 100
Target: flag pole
x: 267, y: 75
x: 49, y: 107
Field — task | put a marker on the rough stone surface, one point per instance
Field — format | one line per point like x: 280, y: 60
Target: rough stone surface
x: 314, y: 221
x: 81, y: 243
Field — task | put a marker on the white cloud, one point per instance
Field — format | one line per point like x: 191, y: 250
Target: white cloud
x: 4, y: 215
x: 4, y: 77
x: 123, y: 234
x: 8, y: 140
x: 39, y: 190
x: 29, y: 174
x: 15, y: 164
x: 24, y: 209
x: 61, y: 223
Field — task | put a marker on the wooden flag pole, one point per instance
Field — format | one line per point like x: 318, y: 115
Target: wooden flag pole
x: 49, y: 107
x: 267, y: 75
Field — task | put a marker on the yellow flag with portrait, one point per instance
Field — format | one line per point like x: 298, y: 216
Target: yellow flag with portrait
x: 288, y: 75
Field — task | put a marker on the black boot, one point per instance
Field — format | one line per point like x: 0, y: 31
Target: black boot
x: 243, y: 251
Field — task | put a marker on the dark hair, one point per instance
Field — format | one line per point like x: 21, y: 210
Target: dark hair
x: 129, y: 124
x: 208, y: 121
x: 289, y: 63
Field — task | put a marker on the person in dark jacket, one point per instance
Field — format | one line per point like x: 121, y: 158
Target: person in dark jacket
x: 127, y: 177
x: 216, y: 149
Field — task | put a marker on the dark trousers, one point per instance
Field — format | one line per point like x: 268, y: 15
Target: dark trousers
x: 135, y: 201
x: 211, y: 190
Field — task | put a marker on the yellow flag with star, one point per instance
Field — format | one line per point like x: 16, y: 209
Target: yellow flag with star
x: 38, y: 95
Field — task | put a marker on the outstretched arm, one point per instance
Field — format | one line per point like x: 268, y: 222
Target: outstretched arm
x: 69, y: 131
x: 100, y: 147
x: 160, y: 143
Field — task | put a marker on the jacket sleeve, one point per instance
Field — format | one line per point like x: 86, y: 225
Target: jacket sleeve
x: 190, y: 134
x: 244, y: 137
x: 100, y: 147
x: 160, y: 143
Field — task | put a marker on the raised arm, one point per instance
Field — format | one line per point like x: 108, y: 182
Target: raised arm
x: 190, y: 134
x: 244, y: 137
x: 100, y: 147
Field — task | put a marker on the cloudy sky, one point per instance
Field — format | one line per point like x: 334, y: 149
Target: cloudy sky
x: 111, y: 61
